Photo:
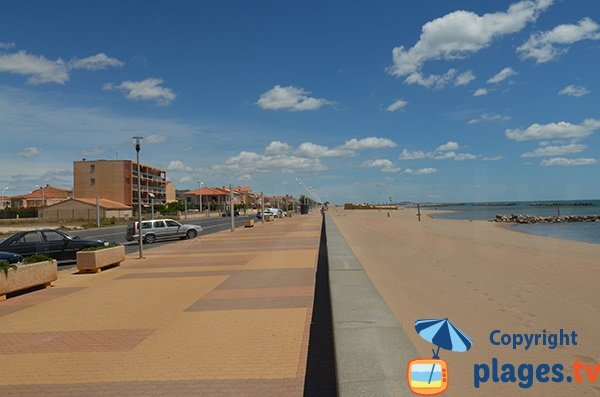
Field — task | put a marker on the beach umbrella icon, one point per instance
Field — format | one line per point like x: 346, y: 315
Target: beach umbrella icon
x: 443, y: 334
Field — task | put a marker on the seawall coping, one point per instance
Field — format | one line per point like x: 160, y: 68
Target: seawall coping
x: 371, y: 349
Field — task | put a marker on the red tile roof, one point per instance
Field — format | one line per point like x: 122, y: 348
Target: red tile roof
x: 104, y: 203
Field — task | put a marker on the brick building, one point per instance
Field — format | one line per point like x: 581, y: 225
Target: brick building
x: 116, y: 180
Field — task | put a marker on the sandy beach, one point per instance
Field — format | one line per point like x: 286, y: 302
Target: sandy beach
x: 484, y: 277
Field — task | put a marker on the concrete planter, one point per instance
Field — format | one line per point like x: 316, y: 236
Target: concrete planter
x: 27, y: 276
x: 268, y: 218
x: 249, y: 223
x: 93, y: 261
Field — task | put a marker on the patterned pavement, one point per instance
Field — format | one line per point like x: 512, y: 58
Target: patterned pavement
x: 223, y: 315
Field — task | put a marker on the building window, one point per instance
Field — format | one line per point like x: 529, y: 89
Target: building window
x: 92, y: 168
x: 92, y: 181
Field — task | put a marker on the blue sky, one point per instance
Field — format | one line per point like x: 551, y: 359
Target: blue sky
x: 420, y: 101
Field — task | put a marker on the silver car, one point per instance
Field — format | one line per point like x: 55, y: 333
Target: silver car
x: 161, y: 228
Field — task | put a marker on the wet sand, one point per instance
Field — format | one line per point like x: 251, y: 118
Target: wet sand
x: 484, y: 277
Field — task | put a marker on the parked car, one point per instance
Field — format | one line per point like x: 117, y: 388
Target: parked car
x: 161, y: 228
x: 259, y: 214
x: 10, y: 257
x: 51, y: 242
x: 228, y: 213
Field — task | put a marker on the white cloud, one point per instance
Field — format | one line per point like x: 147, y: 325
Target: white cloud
x: 542, y: 46
x: 146, y: 90
x: 178, y: 165
x: 502, y: 75
x: 6, y: 46
x: 574, y: 90
x: 489, y: 118
x: 560, y: 130
x: 464, y: 78
x: 443, y: 156
x: 447, y: 155
x: 277, y: 147
x: 349, y: 148
x: 492, y: 158
x: 186, y: 179
x: 416, y: 155
x: 29, y: 152
x: 313, y: 150
x: 39, y: 69
x: 399, y: 104
x: 464, y: 156
x: 154, y: 138
x: 433, y: 80
x: 450, y: 145
x: 290, y: 98
x: 420, y: 171
x: 550, y: 151
x: 368, y: 143
x: 384, y: 164
x: 99, y: 61
x: 458, y: 34
x: 564, y: 162
x: 480, y: 92
x: 248, y: 162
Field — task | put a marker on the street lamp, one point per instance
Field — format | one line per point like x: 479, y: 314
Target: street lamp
x: 3, y: 197
x: 43, y: 198
x: 201, y: 183
x: 139, y: 194
x: 151, y: 204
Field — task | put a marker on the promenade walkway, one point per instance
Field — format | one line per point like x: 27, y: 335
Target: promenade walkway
x: 226, y: 314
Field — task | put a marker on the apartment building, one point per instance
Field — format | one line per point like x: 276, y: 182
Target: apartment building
x: 117, y: 180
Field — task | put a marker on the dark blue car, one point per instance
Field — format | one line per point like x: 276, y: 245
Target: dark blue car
x: 51, y: 242
x: 10, y: 257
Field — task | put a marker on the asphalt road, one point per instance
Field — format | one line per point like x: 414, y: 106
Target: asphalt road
x: 117, y: 233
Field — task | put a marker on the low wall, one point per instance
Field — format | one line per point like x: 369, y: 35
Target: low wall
x: 371, y: 350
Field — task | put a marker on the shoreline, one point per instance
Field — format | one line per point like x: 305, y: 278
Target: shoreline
x: 483, y: 278
x: 506, y: 225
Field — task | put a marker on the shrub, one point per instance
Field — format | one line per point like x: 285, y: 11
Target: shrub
x: 36, y: 258
x: 5, y: 267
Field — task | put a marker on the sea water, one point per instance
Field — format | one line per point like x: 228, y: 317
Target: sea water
x: 580, y: 231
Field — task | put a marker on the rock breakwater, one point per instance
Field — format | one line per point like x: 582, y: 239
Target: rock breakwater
x: 519, y: 218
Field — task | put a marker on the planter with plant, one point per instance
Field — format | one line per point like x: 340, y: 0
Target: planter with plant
x: 94, y: 259
x: 34, y: 271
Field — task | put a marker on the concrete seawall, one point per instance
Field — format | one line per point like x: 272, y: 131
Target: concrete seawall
x: 371, y: 350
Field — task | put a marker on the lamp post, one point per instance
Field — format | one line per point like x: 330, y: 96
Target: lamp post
x: 4, y: 197
x: 43, y: 198
x: 262, y: 207
x: 151, y: 204
x: 200, y: 183
x: 231, y: 208
x: 139, y: 194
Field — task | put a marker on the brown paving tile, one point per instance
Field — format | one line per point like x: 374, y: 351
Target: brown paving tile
x: 20, y: 302
x: 286, y: 302
x: 184, y: 388
x: 8, y: 309
x: 243, y: 293
x: 136, y: 276
x: 72, y: 341
x: 270, y: 278
x: 200, y: 261
x: 264, y: 244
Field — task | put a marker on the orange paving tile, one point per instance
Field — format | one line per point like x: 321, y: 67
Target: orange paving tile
x: 225, y: 314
